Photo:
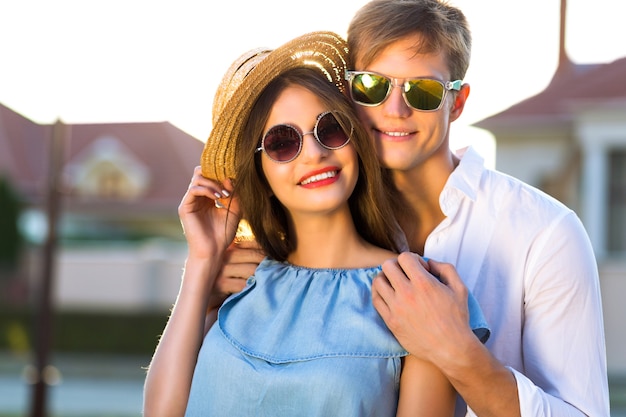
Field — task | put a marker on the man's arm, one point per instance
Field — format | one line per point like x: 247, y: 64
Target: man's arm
x: 563, y: 335
x: 240, y: 261
x: 431, y: 321
x: 563, y: 339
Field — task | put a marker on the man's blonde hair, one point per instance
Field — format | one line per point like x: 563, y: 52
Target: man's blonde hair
x: 442, y: 28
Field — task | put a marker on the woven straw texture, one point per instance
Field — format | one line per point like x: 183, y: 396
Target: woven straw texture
x: 245, y: 80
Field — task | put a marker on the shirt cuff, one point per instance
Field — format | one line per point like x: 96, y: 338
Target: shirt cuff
x: 534, y: 402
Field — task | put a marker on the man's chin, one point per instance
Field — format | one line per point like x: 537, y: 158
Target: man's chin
x: 395, y: 161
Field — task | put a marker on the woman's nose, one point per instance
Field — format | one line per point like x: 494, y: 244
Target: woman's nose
x: 311, y: 148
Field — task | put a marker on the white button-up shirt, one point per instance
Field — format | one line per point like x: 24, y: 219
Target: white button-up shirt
x: 529, y: 263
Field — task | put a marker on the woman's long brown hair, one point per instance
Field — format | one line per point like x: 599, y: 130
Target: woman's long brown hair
x: 369, y: 203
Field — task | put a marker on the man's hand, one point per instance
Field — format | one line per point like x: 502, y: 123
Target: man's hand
x: 428, y: 314
x: 426, y: 311
x: 240, y: 261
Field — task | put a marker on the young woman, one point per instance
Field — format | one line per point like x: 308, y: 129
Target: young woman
x: 302, y: 338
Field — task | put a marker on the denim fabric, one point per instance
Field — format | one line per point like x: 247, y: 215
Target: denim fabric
x: 478, y: 323
x: 299, y: 342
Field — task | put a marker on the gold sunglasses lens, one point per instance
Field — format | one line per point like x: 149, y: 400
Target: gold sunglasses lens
x: 369, y: 89
x: 424, y: 94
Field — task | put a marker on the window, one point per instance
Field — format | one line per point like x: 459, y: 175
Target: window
x: 108, y: 170
x: 616, y: 226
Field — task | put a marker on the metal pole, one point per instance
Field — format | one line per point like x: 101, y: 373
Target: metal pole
x: 44, y: 307
x: 563, y: 57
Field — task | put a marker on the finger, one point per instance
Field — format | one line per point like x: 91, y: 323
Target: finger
x: 244, y: 252
x: 227, y: 285
x: 241, y: 271
x: 413, y: 266
x: 220, y: 190
x: 424, y: 263
x: 382, y: 287
x: 228, y: 186
x: 200, y: 179
x: 449, y: 276
x: 240, y: 261
x: 249, y: 244
x: 195, y: 193
x: 223, y: 288
x: 223, y: 193
x: 445, y: 271
x: 381, y: 293
x: 394, y: 274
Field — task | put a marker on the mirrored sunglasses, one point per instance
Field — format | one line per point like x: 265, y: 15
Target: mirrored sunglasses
x: 283, y: 143
x: 423, y: 94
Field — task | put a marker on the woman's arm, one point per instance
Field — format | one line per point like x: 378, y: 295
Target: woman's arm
x: 169, y: 377
x: 208, y: 230
x: 424, y: 390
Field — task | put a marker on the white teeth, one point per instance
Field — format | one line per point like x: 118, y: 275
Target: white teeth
x: 319, y: 177
x: 397, y: 134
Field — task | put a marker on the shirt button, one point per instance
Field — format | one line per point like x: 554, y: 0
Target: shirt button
x: 250, y: 281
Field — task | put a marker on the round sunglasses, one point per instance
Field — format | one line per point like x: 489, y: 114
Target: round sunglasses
x: 424, y: 94
x: 283, y: 142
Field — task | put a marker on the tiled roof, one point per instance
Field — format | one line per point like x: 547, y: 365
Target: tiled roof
x: 571, y: 83
x: 168, y: 153
x: 22, y: 157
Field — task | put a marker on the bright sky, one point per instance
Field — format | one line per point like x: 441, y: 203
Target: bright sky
x: 103, y: 61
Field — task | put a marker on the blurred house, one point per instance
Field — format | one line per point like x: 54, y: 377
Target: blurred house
x: 119, y: 232
x: 570, y: 141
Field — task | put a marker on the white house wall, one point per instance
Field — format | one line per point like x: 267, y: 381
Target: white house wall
x: 598, y: 133
x: 531, y: 161
x: 119, y: 278
x: 613, y: 286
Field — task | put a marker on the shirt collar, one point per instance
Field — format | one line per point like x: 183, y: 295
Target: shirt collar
x: 464, y: 180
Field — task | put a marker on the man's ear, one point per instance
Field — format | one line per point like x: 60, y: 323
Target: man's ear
x: 459, y: 102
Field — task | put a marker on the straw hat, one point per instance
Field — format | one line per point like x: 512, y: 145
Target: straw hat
x: 248, y: 76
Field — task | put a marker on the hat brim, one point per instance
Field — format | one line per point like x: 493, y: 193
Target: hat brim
x: 242, y: 85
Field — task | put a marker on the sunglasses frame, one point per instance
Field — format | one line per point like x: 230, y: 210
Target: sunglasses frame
x: 301, y: 135
x: 397, y: 82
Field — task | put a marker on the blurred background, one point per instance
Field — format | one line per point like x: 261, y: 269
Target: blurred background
x: 104, y: 107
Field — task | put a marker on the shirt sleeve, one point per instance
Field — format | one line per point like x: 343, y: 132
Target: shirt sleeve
x: 563, y: 348
x: 534, y: 402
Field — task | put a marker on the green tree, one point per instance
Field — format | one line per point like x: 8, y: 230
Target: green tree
x: 11, y: 240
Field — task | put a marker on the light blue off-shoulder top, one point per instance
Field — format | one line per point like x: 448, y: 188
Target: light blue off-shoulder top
x: 300, y: 342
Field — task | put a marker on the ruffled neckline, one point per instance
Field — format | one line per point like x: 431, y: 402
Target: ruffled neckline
x: 290, y: 313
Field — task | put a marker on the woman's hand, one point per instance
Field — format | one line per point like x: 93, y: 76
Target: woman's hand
x: 209, y: 216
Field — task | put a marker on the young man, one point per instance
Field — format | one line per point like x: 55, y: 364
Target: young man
x: 525, y: 256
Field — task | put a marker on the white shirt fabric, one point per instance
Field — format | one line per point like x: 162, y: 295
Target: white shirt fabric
x: 529, y: 263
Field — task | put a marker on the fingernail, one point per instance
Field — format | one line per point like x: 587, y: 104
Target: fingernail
x: 225, y: 193
x: 217, y: 195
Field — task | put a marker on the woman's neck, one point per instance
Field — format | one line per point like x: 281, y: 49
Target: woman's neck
x: 332, y: 241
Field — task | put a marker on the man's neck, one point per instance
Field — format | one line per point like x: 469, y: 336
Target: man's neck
x: 421, y: 188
